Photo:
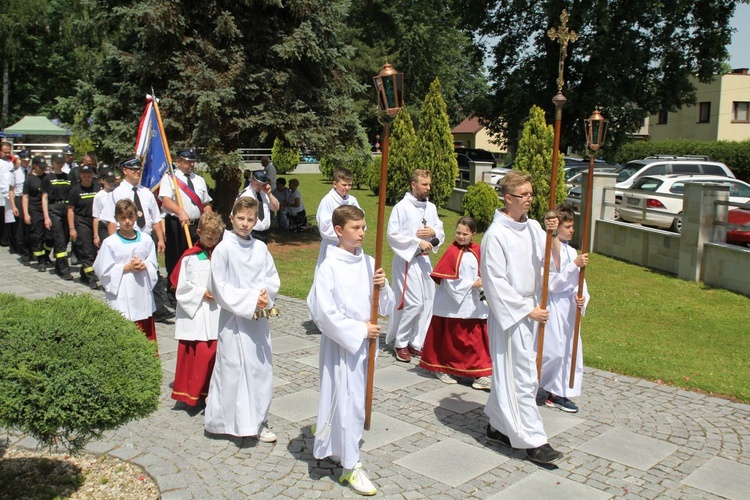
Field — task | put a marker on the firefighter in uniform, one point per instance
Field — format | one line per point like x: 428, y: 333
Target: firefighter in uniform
x: 80, y: 221
x: 40, y: 238
x: 55, y: 189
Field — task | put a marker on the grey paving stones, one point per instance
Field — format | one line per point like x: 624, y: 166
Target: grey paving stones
x: 722, y: 477
x: 456, y: 398
x: 628, y: 448
x: 289, y: 343
x: 542, y: 484
x: 296, y: 407
x: 451, y: 462
x: 385, y: 430
x: 394, y: 377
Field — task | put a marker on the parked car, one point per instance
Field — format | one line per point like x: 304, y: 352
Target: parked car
x: 649, y: 193
x: 629, y: 173
x: 739, y: 236
x: 573, y: 185
x: 477, y: 154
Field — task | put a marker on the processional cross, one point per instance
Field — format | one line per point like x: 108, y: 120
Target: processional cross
x: 562, y: 35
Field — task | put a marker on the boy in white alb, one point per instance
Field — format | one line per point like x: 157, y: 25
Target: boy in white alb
x: 126, y: 266
x: 563, y: 303
x: 512, y: 261
x: 337, y: 196
x: 197, y: 314
x: 340, y: 302
x: 243, y: 280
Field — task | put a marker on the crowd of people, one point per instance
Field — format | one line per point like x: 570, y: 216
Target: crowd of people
x: 474, y: 316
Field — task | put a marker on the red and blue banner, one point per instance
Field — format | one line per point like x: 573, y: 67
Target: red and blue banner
x: 150, y: 147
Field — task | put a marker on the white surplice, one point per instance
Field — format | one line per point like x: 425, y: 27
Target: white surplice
x: 242, y: 381
x: 195, y: 317
x: 128, y: 292
x: 512, y: 255
x: 340, y: 303
x: 558, y: 334
x: 457, y: 298
x: 328, y: 204
x: 408, y: 325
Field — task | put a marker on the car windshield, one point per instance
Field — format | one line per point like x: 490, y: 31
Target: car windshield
x: 625, y: 172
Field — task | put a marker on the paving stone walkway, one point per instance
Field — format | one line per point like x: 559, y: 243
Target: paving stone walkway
x: 631, y: 439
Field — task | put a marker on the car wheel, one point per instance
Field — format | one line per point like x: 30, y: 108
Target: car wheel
x: 676, y: 224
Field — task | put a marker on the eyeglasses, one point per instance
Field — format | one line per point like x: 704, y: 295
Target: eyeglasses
x: 526, y: 195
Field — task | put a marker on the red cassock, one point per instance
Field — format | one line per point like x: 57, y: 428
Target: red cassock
x: 457, y: 342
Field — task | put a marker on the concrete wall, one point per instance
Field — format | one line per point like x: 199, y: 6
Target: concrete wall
x: 727, y: 266
x: 639, y: 245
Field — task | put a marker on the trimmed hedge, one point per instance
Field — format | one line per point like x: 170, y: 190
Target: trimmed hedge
x: 735, y: 154
x: 72, y: 368
x: 480, y: 202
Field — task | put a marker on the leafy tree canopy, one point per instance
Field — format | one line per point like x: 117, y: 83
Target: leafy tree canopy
x: 632, y: 59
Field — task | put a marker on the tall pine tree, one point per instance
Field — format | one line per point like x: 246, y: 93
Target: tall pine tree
x: 401, y: 156
x: 436, y: 152
x: 534, y: 157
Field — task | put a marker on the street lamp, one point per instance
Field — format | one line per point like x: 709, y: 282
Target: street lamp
x: 595, y: 128
x: 389, y: 85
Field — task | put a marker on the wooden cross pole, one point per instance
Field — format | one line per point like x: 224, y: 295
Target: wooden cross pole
x: 562, y: 35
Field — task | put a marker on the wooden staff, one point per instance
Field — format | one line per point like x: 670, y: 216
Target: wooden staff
x: 559, y: 101
x: 177, y: 194
x: 378, y: 263
x: 562, y: 35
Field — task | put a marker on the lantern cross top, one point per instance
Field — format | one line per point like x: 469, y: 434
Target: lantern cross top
x: 562, y: 35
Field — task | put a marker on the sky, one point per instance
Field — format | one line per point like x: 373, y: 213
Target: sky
x: 739, y: 50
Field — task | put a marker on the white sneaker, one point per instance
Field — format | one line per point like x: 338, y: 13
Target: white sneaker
x: 265, y: 435
x: 445, y: 378
x: 358, y: 481
x: 482, y: 383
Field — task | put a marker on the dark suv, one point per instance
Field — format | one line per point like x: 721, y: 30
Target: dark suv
x: 475, y: 154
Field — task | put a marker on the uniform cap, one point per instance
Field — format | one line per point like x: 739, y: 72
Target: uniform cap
x: 187, y: 154
x: 39, y: 160
x: 69, y: 150
x: 24, y: 154
x: 57, y: 157
x: 86, y: 168
x: 260, y: 176
x: 107, y: 174
x: 132, y: 164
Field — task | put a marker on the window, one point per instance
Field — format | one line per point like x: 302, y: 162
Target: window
x: 714, y: 169
x: 741, y: 111
x: 662, y: 119
x: 685, y: 168
x: 704, y: 112
x: 656, y: 170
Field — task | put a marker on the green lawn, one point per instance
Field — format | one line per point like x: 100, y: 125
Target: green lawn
x: 639, y: 322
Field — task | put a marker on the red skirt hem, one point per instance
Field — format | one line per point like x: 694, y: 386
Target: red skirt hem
x: 195, y: 363
x: 458, y: 347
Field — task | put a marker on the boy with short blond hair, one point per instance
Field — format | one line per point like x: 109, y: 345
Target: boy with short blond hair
x: 340, y: 303
x: 243, y: 280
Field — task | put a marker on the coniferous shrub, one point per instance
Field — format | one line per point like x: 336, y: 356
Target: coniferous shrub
x: 480, y: 203
x: 285, y: 157
x: 72, y: 368
x: 402, y: 156
x: 356, y: 160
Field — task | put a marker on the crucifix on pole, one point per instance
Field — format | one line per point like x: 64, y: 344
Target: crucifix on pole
x: 562, y: 35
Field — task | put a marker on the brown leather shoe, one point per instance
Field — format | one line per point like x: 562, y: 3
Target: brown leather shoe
x: 402, y: 354
x: 414, y: 352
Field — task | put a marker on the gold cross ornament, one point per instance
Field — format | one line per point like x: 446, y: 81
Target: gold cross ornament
x: 562, y: 35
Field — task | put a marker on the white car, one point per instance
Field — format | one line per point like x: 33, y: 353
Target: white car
x: 649, y: 193
x: 629, y: 173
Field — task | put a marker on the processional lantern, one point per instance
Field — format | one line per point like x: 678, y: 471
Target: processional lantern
x: 389, y: 84
x: 595, y: 127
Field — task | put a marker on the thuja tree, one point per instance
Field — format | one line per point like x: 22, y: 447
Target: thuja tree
x: 402, y: 156
x: 436, y: 152
x: 534, y: 157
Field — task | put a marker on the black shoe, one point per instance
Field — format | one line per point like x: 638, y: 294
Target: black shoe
x: 41, y: 267
x: 66, y: 276
x: 162, y: 315
x: 496, y: 436
x: 25, y: 260
x: 544, y: 454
